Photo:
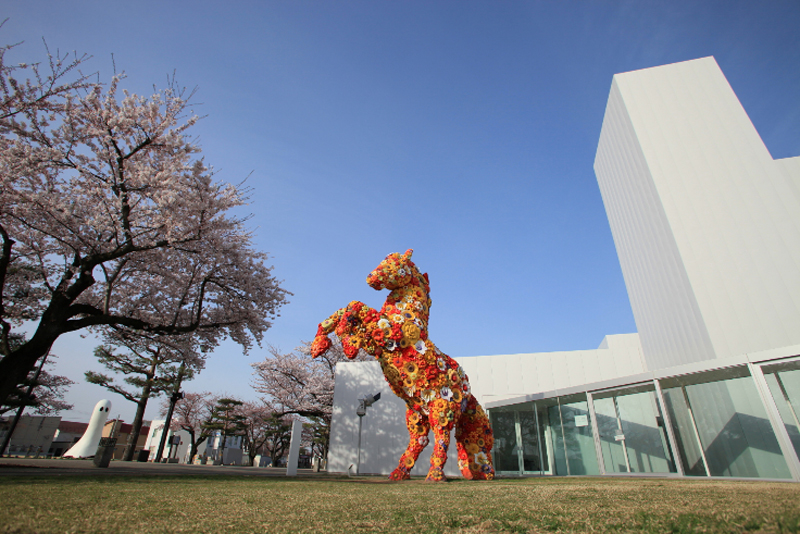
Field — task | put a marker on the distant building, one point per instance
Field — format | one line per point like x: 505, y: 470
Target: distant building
x: 707, y: 229
x: 32, y: 436
x: 115, y: 428
x: 173, y: 448
x: 67, y: 434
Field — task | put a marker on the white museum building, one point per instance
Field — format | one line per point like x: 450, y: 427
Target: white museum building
x: 707, y: 229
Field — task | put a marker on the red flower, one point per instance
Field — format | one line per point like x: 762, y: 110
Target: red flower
x: 431, y: 372
x: 377, y: 335
x: 396, y: 332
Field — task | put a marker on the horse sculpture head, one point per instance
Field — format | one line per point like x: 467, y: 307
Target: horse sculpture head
x: 393, y: 272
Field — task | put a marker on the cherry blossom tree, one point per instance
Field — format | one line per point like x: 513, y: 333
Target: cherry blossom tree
x: 108, y: 217
x: 151, y: 366
x: 296, y: 383
x: 265, y: 431
x: 193, y: 413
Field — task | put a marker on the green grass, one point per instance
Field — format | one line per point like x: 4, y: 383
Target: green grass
x: 328, y: 504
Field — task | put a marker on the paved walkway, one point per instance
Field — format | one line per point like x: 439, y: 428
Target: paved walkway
x: 58, y: 467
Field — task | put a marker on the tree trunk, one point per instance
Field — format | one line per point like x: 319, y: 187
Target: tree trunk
x: 130, y: 448
x: 193, y: 445
x: 222, y: 449
x: 15, y: 367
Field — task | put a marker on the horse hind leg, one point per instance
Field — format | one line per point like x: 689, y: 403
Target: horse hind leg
x: 418, y: 429
x: 441, y: 435
x: 474, y: 440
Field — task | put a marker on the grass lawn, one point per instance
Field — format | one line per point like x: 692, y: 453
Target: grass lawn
x: 327, y: 504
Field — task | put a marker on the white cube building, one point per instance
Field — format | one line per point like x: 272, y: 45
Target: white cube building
x: 707, y: 230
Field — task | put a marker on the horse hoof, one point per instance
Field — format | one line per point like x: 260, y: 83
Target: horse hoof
x: 397, y: 475
x: 436, y: 475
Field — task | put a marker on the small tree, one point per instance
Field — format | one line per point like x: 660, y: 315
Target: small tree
x: 193, y: 413
x: 226, y: 419
x: 150, y: 366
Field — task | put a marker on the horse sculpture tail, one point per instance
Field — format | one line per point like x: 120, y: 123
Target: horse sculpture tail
x: 474, y: 440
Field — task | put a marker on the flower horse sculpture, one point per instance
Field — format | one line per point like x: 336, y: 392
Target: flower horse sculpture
x: 434, y: 387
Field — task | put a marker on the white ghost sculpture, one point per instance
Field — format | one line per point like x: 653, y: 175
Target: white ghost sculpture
x: 86, y: 447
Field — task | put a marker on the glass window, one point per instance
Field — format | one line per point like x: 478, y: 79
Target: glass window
x: 573, y: 443
x: 534, y: 450
x: 611, y: 435
x: 727, y: 416
x: 632, y: 437
x: 505, y: 440
x: 683, y: 427
x: 784, y: 383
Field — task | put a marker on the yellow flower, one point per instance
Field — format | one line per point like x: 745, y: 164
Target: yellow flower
x: 392, y: 375
x: 411, y: 333
x: 453, y: 376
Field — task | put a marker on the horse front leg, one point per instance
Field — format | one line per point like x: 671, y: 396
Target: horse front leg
x: 418, y: 428
x: 344, y: 321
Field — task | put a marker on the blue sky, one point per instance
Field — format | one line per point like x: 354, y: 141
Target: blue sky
x: 464, y: 130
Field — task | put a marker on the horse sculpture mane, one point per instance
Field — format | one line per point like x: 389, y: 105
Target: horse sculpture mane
x: 434, y: 387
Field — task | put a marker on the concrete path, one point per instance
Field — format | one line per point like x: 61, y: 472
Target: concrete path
x: 59, y: 467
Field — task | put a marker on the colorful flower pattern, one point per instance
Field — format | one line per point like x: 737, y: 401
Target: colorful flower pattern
x: 434, y: 387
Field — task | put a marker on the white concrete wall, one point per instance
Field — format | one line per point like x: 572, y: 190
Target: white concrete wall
x: 790, y: 167
x: 384, y: 436
x: 706, y: 223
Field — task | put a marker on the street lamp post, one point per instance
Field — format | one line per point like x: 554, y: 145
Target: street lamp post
x: 361, y: 411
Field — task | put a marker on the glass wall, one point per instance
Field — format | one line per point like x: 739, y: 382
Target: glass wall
x: 721, y: 418
x: 718, y: 426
